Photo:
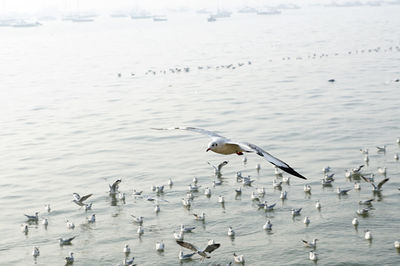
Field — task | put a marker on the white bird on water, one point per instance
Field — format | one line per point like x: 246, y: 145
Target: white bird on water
x: 24, y: 228
x: 306, y: 220
x: 396, y: 156
x: 70, y: 259
x: 296, y: 212
x: 182, y: 256
x: 160, y: 246
x: 357, y: 186
x: 368, y: 235
x: 397, y: 244
x: 312, y: 244
x: 92, y: 219
x: 140, y: 230
x: 355, y: 222
x: 307, y: 188
x: 382, y: 170
x: 313, y: 256
x: 318, y: 205
x: 139, y: 220
x: 200, y: 217
x: 70, y: 225
x: 231, y: 232
x: 283, y: 195
x: 268, y: 225
x: 67, y: 241
x: 221, y: 199
x: 222, y: 145
x: 185, y: 229
x: 179, y: 236
x: 45, y: 222
x: 340, y: 191
x: 238, y: 258
x: 35, y: 252
x: 127, y: 250
x: 157, y: 208
x: 170, y: 182
x: 47, y: 207
x: 207, y: 192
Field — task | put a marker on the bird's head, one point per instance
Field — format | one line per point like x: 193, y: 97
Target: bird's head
x: 212, y: 146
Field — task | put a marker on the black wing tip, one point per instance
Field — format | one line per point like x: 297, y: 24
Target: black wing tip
x: 292, y: 172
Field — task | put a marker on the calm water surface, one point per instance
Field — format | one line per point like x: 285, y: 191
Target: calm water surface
x: 70, y: 124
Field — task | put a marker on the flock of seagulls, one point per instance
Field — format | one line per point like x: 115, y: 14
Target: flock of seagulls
x: 225, y: 146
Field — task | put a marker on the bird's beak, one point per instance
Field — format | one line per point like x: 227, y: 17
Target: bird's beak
x: 208, y: 149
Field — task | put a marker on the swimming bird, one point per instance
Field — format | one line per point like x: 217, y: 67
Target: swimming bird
x: 207, y: 192
x: 397, y: 244
x: 363, y: 211
x: 238, y: 258
x: 307, y: 188
x: 186, y: 203
x: 92, y: 219
x: 217, y: 169
x: 70, y: 259
x: 357, y: 170
x: 382, y: 170
x: 381, y: 149
x: 185, y: 229
x: 354, y: 222
x: 269, y: 207
x: 203, y: 253
x: 170, y: 182
x: 221, y: 199
x: 140, y: 230
x: 222, y: 145
x: 326, y: 169
x: 376, y: 188
x: 114, y: 187
x: 296, y: 212
x: 306, y: 220
x: 160, y: 246
x: 366, y: 158
x: 262, y: 204
x: 88, y: 206
x: 396, y: 156
x: 127, y: 250
x: 313, y: 256
x: 366, y: 202
x: 238, y: 190
x: 200, y: 217
x: 277, y: 172
x: 128, y: 262
x: 318, y: 205
x: 179, y: 236
x: 182, y: 256
x: 231, y: 232
x: 195, y: 180
x: 247, y: 181
x: 340, y: 191
x: 35, y: 252
x: 138, y: 220
x: 70, y: 225
x: 286, y: 179
x: 312, y: 244
x: 80, y: 200
x: 67, y: 241
x: 368, y: 235
x: 47, y: 207
x: 268, y: 225
x: 33, y: 218
x: 193, y: 188
x: 283, y: 195
x: 157, y: 208
x: 24, y: 228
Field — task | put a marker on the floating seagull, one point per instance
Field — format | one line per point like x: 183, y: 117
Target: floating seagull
x: 366, y: 158
x: 364, y: 151
x: 397, y: 244
x: 170, y: 183
x: 80, y: 200
x: 382, y: 171
x: 70, y: 259
x: 140, y: 230
x: 186, y: 203
x: 193, y: 188
x: 262, y: 205
x: 357, y: 170
x: 217, y: 169
x: 286, y: 179
x: 138, y: 220
x: 127, y: 250
x: 67, y: 241
x: 231, y: 232
x: 376, y: 188
x: 381, y: 149
x: 269, y: 207
x: 129, y: 262
x: 160, y: 246
x: 185, y: 229
x: 203, y: 253
x: 366, y: 202
x: 329, y: 177
x: 312, y: 244
x: 179, y: 236
x: 157, y: 208
x: 340, y: 191
x: 278, y: 173
x: 368, y: 235
x: 70, y: 225
x: 354, y: 222
x: 88, y: 206
x: 33, y: 218
x: 307, y: 188
x: 114, y: 186
x: 396, y: 156
x: 200, y: 217
x: 92, y: 219
x: 47, y: 207
x: 222, y: 145
x: 137, y: 193
x: 238, y: 258
x: 238, y: 190
x: 182, y: 256
x: 268, y: 225
x: 261, y: 191
x: 217, y: 183
x: 283, y: 195
x: 195, y: 180
x: 296, y: 212
x: 45, y: 222
x: 318, y: 205
x: 207, y: 192
x: 363, y: 211
x: 35, y: 252
x: 313, y: 256
x: 306, y: 220
x: 247, y: 181
x: 24, y: 228
x: 221, y: 199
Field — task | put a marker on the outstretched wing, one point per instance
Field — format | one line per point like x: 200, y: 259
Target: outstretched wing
x: 187, y: 245
x: 82, y: 199
x: 275, y: 161
x: 213, y: 166
x: 70, y: 239
x: 211, y: 248
x: 194, y: 129
x: 382, y: 182
x: 222, y: 165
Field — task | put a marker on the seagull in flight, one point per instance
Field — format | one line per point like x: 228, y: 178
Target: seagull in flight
x: 80, y: 200
x: 222, y: 145
x: 376, y: 188
x: 217, y: 169
x: 203, y: 253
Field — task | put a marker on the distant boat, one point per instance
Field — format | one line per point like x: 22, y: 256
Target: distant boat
x: 211, y: 18
x: 25, y: 24
x: 160, y: 18
x: 269, y: 11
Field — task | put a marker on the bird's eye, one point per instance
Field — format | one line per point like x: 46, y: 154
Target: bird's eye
x: 216, y: 144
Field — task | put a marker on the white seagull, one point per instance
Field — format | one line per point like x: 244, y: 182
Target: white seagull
x: 368, y: 235
x: 238, y: 258
x: 296, y: 212
x: 318, y: 205
x: 160, y: 246
x: 182, y: 256
x: 92, y: 219
x: 217, y: 169
x: 80, y: 200
x: 231, y: 232
x: 35, y: 252
x: 179, y: 236
x: 138, y: 220
x: 200, y: 217
x: 376, y: 188
x: 354, y: 222
x: 222, y: 145
x: 268, y: 225
x: 313, y: 256
x: 397, y: 244
x: 312, y: 244
x: 127, y: 250
x: 67, y: 241
x: 207, y: 192
x: 70, y: 259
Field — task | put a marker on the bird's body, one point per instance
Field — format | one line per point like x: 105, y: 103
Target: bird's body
x: 222, y: 145
x: 207, y: 192
x: 200, y: 217
x: 307, y: 188
x: 67, y: 241
x: 318, y: 205
x: 92, y: 219
x: 70, y: 258
x: 283, y: 195
x: 114, y: 187
x: 70, y: 225
x: 179, y: 236
x: 45, y: 222
x: 238, y: 258
x: 268, y: 225
x: 35, y: 252
x: 185, y: 229
x: 355, y: 222
x: 368, y: 235
x: 306, y: 220
x: 231, y: 232
x: 313, y: 256
x: 376, y: 188
x: 127, y: 250
x: 160, y: 246
x: 340, y: 191
x: 33, y: 218
x: 182, y: 256
x: 312, y: 244
x: 296, y: 212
